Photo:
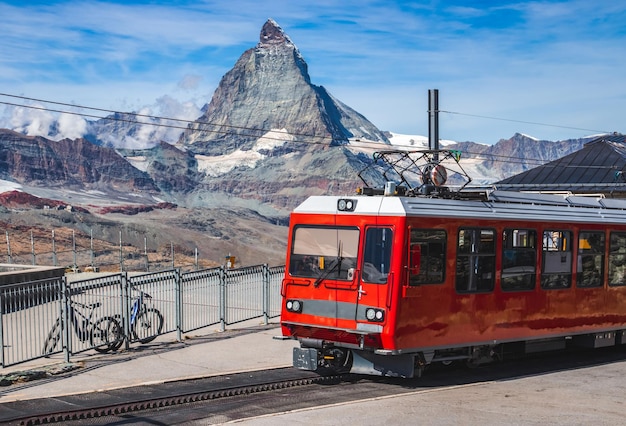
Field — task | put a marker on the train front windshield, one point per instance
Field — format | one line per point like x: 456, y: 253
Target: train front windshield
x: 324, y: 252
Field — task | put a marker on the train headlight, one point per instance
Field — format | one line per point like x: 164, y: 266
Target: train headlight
x: 294, y: 305
x: 374, y: 315
x: 346, y: 205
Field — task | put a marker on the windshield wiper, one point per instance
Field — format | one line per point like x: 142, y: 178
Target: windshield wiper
x: 337, y: 263
x: 327, y: 272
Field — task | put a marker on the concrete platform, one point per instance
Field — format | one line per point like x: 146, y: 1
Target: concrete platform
x: 245, y: 348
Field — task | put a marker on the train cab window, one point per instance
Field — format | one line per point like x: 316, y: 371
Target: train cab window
x: 590, y: 265
x: 324, y: 252
x: 475, y: 260
x: 377, y: 255
x: 556, y: 259
x: 427, y: 255
x: 617, y: 259
x: 519, y: 255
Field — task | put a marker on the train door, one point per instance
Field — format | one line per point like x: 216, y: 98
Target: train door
x: 323, y: 262
x: 372, y: 290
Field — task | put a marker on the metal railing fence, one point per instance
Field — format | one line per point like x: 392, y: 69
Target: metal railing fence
x: 53, y: 316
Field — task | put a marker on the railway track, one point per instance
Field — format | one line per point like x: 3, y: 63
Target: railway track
x: 218, y: 399
x: 120, y: 402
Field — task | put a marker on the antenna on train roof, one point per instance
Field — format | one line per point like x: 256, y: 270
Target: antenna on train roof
x: 433, y: 121
x: 420, y: 172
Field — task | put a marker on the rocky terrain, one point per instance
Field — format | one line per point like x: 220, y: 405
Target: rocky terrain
x: 30, y: 224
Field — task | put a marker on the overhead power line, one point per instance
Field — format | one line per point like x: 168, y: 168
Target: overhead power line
x: 524, y: 122
x: 155, y: 117
x: 258, y: 131
x: 152, y: 117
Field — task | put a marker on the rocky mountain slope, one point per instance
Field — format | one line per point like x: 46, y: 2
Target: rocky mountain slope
x: 491, y: 163
x: 68, y: 163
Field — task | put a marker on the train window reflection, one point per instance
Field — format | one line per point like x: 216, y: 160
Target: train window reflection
x: 617, y: 259
x: 377, y: 255
x: 556, y: 258
x: 519, y: 256
x: 324, y: 251
x: 475, y: 261
x: 428, y: 247
x: 590, y: 264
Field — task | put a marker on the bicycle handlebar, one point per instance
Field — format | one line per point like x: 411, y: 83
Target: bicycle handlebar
x: 89, y: 306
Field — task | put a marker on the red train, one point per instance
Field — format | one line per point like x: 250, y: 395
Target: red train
x: 386, y: 284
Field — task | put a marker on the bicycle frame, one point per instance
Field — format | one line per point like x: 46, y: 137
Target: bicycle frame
x: 138, y: 303
x: 145, y: 322
x: 82, y: 323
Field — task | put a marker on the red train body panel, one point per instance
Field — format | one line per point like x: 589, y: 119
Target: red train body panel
x: 388, y: 284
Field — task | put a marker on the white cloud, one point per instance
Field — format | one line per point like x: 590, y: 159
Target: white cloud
x: 190, y: 82
x: 71, y: 126
x: 32, y: 122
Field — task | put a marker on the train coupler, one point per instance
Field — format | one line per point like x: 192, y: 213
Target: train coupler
x: 305, y: 358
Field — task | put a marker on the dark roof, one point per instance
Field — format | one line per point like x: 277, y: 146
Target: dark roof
x: 600, y: 166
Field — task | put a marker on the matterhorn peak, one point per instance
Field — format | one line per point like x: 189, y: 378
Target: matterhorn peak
x: 272, y: 34
x: 268, y: 90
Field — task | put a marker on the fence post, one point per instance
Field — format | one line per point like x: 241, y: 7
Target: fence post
x: 126, y: 303
x: 145, y: 253
x: 179, y: 304
x: 91, y: 254
x: 2, y: 361
x: 65, y: 318
x: 74, y: 250
x: 32, y: 248
x: 266, y: 294
x: 54, y: 250
x: 222, y: 298
x: 172, y: 253
x: 121, y: 254
x: 9, y: 248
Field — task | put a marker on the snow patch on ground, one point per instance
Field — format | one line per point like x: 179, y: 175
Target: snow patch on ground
x: 6, y: 186
x: 529, y: 137
x: 273, y: 139
x: 416, y: 141
x: 139, y: 162
x: 221, y: 164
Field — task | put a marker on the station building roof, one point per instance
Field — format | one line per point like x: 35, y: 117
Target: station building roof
x: 599, y: 167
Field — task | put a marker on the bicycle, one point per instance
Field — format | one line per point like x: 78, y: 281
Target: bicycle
x: 104, y: 334
x: 146, y: 322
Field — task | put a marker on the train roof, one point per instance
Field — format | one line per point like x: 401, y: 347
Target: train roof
x: 498, y: 205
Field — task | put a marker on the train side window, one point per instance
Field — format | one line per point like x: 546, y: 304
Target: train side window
x: 475, y: 260
x: 519, y: 255
x: 617, y: 259
x: 556, y: 259
x: 427, y: 257
x: 377, y: 255
x: 590, y: 265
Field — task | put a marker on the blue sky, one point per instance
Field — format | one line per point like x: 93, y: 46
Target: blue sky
x: 560, y: 63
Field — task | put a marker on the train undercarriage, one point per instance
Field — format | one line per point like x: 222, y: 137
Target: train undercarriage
x: 328, y: 358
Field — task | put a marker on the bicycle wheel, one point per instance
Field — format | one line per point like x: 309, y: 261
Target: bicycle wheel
x: 148, y: 325
x: 53, y: 338
x: 107, y: 335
